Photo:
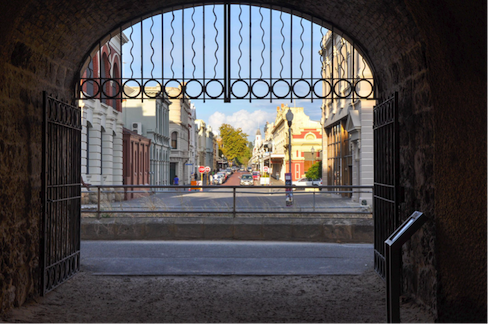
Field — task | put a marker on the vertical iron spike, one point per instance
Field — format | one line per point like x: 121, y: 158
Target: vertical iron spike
x: 240, y: 43
x: 250, y: 53
x: 151, y: 45
x: 291, y: 56
x: 270, y: 55
x: 301, y: 48
x: 216, y: 43
x: 142, y: 62
x: 131, y: 49
x: 183, y: 87
x: 203, y: 57
x: 282, y: 43
x: 311, y: 60
x: 163, y: 85
x: 262, y: 42
x: 121, y: 89
x: 193, y: 43
x: 227, y: 52
x: 172, y: 43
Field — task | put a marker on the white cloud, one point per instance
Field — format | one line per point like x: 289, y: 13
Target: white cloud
x: 248, y: 121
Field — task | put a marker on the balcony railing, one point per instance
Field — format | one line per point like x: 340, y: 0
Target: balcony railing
x: 173, y: 201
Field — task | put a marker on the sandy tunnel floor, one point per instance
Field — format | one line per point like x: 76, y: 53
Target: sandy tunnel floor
x: 232, y: 299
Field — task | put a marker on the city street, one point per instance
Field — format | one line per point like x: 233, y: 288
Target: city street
x: 257, y: 198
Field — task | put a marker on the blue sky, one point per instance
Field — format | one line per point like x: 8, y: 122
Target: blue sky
x: 164, y: 51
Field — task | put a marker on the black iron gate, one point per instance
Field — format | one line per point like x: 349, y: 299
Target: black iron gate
x: 225, y: 52
x: 386, y: 177
x: 61, y: 192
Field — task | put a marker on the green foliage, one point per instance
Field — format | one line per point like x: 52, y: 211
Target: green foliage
x: 315, y: 171
x: 234, y: 143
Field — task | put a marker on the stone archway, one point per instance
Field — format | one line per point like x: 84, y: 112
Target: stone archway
x: 411, y: 47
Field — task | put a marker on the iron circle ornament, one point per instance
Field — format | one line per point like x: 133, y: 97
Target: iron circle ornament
x: 256, y: 83
x: 236, y: 82
x: 57, y: 112
x: 345, y: 95
x: 179, y: 87
x: 95, y: 93
x: 103, y: 93
x: 356, y: 91
x: 276, y: 85
x: 195, y: 81
x: 138, y: 92
x: 325, y: 95
x: 221, y: 90
x: 298, y: 82
x: 145, y: 86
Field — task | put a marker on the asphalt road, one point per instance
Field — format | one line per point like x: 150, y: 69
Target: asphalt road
x: 196, y: 258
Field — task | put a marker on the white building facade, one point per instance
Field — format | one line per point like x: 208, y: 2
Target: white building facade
x: 102, y: 123
x: 150, y: 118
x: 179, y: 131
x: 348, y: 140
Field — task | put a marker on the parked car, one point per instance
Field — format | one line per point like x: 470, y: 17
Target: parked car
x: 221, y: 177
x: 217, y: 179
x: 256, y: 175
x: 302, y: 182
x: 247, y: 180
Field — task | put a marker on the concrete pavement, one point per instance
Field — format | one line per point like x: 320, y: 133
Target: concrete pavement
x: 224, y: 258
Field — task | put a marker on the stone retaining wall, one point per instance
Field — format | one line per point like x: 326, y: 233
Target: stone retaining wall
x: 337, y: 230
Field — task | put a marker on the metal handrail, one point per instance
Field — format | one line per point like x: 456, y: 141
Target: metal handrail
x: 226, y: 189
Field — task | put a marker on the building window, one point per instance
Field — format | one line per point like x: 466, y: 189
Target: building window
x: 104, y: 76
x: 174, y: 140
x: 101, y: 150
x: 88, y: 127
x: 339, y: 157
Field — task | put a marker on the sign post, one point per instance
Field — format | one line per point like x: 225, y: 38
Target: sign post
x: 207, y: 171
x: 289, y: 192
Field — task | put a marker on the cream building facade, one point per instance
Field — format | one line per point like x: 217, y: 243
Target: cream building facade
x: 348, y: 122
x: 273, y: 149
x: 179, y: 130
x: 150, y: 118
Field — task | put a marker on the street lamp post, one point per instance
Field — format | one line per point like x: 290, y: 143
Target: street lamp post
x: 313, y: 154
x: 289, y: 119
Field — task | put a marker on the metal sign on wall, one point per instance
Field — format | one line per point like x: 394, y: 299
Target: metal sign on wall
x: 225, y: 52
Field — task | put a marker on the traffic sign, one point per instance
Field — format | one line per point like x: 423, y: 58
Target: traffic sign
x: 201, y: 169
x: 266, y: 169
x: 207, y: 169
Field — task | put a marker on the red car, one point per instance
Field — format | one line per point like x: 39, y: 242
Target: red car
x: 256, y: 175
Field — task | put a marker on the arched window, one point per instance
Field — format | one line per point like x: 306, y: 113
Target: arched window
x: 104, y: 76
x: 89, y: 89
x: 116, y: 104
x: 174, y: 140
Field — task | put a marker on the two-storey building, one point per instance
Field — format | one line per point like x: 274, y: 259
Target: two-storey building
x: 150, y: 118
x: 348, y: 142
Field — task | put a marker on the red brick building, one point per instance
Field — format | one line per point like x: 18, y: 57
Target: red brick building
x: 135, y: 161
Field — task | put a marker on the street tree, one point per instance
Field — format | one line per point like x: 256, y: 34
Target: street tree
x: 234, y: 143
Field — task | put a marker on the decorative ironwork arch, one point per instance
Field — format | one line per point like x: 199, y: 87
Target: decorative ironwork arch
x: 228, y: 52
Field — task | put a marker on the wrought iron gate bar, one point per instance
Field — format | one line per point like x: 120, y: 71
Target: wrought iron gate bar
x: 386, y: 177
x: 61, y: 192
x: 228, y: 80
